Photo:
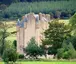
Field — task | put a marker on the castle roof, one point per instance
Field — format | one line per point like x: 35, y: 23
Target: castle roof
x: 26, y: 18
x: 18, y: 22
x: 22, y: 24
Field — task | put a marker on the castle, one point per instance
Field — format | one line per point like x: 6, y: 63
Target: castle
x: 31, y: 25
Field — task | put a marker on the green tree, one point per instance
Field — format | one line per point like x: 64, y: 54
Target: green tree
x: 15, y: 1
x: 55, y: 35
x: 57, y: 14
x: 71, y: 51
x: 73, y: 41
x: 67, y: 51
x: 9, y: 55
x: 60, y: 53
x: 33, y: 50
x: 72, y: 22
x: 3, y: 35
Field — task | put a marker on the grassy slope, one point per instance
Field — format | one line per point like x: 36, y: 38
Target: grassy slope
x: 12, y: 37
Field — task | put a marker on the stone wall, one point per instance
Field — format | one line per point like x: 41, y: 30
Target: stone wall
x: 31, y: 25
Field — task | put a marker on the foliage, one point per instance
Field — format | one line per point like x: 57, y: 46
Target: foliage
x: 60, y: 53
x: 33, y: 50
x: 3, y: 7
x: 15, y: 1
x: 15, y: 44
x: 66, y: 52
x: 73, y: 20
x: 71, y: 51
x: 55, y: 35
x: 9, y: 54
x: 73, y: 41
x: 73, y: 23
x: 3, y: 35
x: 21, y: 56
x: 59, y: 9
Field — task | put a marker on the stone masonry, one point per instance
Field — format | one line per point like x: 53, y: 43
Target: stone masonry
x: 31, y: 25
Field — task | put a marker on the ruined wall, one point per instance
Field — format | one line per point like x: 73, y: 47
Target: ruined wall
x: 34, y: 26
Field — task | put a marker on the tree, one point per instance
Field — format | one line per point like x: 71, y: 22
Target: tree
x: 60, y: 53
x: 71, y: 51
x: 72, y: 22
x: 9, y: 55
x: 73, y: 41
x: 57, y: 14
x: 3, y: 35
x: 55, y: 35
x: 66, y: 52
x: 15, y: 1
x: 33, y: 50
x: 3, y: 7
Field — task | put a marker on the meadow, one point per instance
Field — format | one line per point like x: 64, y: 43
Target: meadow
x: 48, y: 62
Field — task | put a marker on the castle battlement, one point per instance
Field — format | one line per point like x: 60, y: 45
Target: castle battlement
x: 31, y: 25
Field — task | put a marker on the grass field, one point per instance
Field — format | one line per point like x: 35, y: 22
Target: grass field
x: 48, y: 62
x: 11, y: 37
x: 41, y: 62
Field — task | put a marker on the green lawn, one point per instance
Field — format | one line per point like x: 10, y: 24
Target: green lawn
x: 48, y: 62
x: 41, y: 62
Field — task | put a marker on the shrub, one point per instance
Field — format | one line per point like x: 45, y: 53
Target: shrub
x: 66, y: 55
x: 67, y: 52
x: 60, y: 53
x: 9, y: 54
x: 21, y: 56
x: 33, y: 50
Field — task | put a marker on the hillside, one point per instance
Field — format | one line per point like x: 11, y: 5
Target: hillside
x: 7, y: 2
x: 62, y: 9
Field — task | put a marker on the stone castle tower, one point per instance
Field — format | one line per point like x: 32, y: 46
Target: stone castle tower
x: 31, y: 25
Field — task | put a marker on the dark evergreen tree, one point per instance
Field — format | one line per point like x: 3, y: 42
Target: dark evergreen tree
x: 33, y: 50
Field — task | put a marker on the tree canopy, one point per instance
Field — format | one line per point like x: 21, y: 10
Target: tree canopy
x: 33, y: 50
x: 55, y: 35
